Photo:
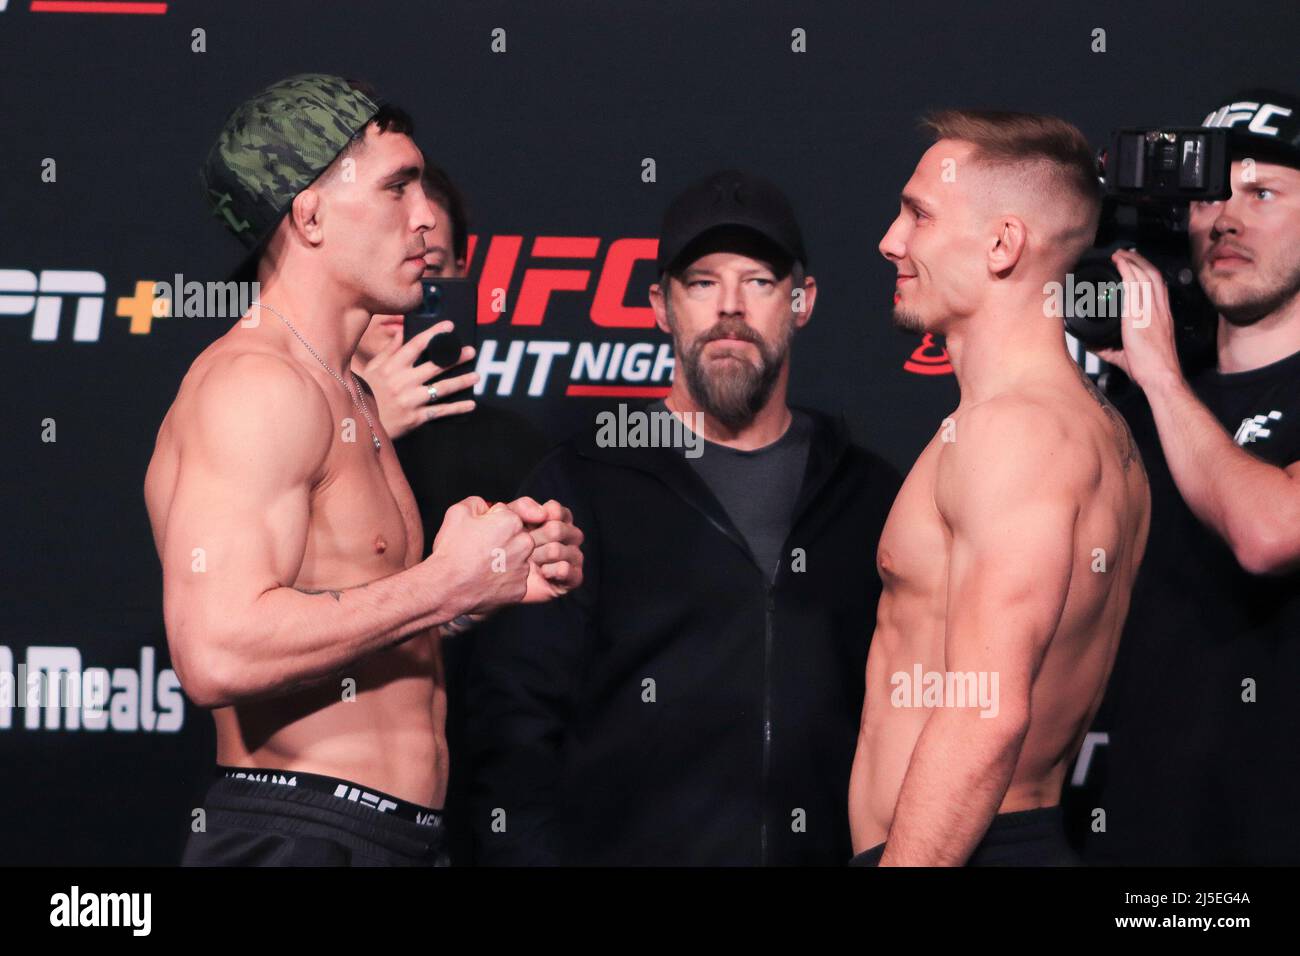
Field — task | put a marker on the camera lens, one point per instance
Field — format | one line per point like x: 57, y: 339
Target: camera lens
x: 1098, y: 326
x: 432, y: 300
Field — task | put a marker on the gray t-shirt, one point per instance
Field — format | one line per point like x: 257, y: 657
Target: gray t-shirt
x: 759, y: 488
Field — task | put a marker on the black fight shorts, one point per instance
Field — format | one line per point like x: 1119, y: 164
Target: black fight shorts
x: 263, y: 817
x: 1023, y: 838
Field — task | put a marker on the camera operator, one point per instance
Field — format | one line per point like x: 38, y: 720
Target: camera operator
x: 1202, y: 765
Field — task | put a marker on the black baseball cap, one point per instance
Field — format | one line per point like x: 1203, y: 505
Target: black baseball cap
x: 729, y: 198
x: 1261, y: 123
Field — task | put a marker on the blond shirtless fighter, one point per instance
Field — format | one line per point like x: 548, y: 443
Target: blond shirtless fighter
x: 296, y: 602
x: 1009, y: 555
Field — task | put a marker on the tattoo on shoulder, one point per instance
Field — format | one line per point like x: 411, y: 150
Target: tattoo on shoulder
x: 1123, y: 437
x: 336, y: 595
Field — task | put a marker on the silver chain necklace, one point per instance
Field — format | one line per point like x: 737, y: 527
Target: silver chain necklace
x: 316, y: 355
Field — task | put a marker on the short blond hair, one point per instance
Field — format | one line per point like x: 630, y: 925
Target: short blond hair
x: 1056, y: 151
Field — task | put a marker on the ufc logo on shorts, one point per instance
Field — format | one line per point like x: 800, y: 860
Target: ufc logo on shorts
x: 343, y: 791
x: 1258, y: 115
x: 18, y: 296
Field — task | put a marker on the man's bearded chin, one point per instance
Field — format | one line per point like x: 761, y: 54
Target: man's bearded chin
x: 908, y: 321
x: 733, y: 391
x: 1255, y: 305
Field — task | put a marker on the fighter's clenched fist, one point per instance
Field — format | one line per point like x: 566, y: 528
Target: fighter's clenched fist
x: 482, y: 554
x: 503, y: 554
x: 555, y: 567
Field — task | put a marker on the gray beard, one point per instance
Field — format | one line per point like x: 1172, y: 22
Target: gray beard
x: 740, y: 390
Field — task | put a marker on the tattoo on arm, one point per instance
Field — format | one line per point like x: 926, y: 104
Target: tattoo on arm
x: 336, y: 595
x: 458, y: 625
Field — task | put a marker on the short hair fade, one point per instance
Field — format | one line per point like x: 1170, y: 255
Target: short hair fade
x: 1007, y: 138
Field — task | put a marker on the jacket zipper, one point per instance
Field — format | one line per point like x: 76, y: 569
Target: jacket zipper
x: 769, y: 610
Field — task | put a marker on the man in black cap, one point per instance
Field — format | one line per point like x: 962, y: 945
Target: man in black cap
x: 1202, y: 765
x: 297, y: 605
x: 697, y: 701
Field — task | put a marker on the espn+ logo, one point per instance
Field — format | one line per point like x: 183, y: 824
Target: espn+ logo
x: 24, y: 293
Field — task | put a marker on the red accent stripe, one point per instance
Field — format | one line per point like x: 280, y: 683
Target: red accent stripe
x: 566, y: 247
x: 919, y: 369
x: 91, y: 6
x: 618, y: 391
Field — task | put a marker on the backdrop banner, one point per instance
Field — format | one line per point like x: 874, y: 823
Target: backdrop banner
x: 568, y: 127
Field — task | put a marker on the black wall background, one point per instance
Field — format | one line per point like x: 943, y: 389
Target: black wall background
x: 547, y: 139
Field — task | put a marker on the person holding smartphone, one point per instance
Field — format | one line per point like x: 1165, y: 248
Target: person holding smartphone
x: 403, y: 385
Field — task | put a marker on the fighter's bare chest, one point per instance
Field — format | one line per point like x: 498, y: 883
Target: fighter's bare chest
x: 362, y: 508
x: 914, y: 541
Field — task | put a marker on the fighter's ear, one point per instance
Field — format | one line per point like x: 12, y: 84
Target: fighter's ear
x: 659, y: 304
x: 307, y: 216
x: 1007, y: 244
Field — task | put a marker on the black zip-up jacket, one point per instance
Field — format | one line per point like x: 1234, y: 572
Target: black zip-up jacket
x: 683, y: 706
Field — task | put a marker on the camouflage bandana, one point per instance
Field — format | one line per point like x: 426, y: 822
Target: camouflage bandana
x: 274, y: 145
